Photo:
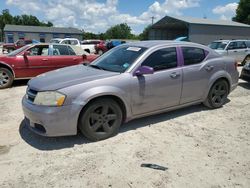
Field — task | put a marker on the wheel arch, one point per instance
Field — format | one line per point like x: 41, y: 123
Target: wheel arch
x: 214, y: 79
x: 4, y: 65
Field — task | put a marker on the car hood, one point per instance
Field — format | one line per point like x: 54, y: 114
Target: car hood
x: 221, y: 51
x: 68, y: 76
x: 8, y: 44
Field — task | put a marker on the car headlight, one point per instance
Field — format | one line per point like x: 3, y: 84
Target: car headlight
x: 49, y: 98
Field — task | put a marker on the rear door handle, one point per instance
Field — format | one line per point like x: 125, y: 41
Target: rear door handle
x: 74, y: 59
x: 44, y: 59
x: 235, y: 51
x: 209, y: 67
x: 174, y: 75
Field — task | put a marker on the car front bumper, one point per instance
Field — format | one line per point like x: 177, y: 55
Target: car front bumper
x: 51, y: 121
x: 245, y: 75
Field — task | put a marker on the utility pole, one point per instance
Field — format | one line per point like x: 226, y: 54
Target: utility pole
x: 152, y: 19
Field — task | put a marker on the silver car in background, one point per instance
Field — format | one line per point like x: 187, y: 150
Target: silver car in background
x: 130, y: 81
x: 237, y: 49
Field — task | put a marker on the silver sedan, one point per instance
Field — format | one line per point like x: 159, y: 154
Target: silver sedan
x: 130, y: 81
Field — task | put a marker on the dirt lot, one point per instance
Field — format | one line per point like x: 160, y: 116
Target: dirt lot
x: 200, y: 148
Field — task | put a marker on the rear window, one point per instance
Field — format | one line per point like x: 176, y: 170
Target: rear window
x: 193, y: 55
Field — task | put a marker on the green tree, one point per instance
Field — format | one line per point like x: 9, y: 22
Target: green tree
x: 120, y: 31
x: 145, y: 33
x: 89, y: 35
x: 243, y: 12
x: 5, y: 18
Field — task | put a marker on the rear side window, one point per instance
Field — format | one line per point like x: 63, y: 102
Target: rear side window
x: 193, y: 55
x: 162, y: 59
x: 60, y: 50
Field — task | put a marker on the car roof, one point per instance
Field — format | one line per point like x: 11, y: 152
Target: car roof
x: 155, y: 43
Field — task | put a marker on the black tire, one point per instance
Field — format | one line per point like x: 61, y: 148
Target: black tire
x: 217, y: 95
x: 100, y: 119
x: 6, y: 78
x: 247, y: 58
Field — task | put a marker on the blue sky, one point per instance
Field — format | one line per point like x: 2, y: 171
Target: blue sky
x: 98, y: 15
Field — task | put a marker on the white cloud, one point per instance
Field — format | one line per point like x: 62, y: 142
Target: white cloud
x: 227, y: 11
x: 94, y: 16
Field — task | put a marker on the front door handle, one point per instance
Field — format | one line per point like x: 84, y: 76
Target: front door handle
x: 44, y: 59
x: 174, y: 75
x: 209, y: 67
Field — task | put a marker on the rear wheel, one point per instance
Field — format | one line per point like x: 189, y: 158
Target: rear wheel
x: 247, y: 59
x: 217, y: 95
x: 6, y: 78
x: 100, y: 119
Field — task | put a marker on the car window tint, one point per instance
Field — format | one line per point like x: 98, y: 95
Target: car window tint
x: 39, y: 51
x: 162, y: 59
x: 193, y: 55
x: 241, y: 45
x: 71, y: 51
x: 60, y: 50
x: 248, y: 44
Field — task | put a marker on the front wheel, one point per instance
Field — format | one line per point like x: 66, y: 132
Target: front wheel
x: 6, y: 78
x: 217, y: 95
x: 100, y: 119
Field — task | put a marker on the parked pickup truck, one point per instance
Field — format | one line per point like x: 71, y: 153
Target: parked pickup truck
x: 9, y: 47
x: 87, y: 45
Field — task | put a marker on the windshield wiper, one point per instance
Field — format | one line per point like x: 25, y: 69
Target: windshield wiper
x: 96, y: 67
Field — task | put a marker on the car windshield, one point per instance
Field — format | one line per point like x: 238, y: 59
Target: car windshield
x: 15, y: 52
x: 218, y: 45
x: 118, y: 59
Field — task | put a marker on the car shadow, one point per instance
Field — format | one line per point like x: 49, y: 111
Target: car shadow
x: 18, y: 83
x: 57, y: 143
x: 49, y: 143
x: 245, y: 85
x: 154, y: 119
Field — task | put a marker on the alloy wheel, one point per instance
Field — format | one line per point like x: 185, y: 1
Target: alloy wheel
x: 219, y: 93
x: 4, y: 78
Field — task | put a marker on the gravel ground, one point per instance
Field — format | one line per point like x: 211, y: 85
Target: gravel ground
x: 200, y: 148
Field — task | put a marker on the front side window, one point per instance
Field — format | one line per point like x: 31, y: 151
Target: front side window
x: 71, y: 51
x: 60, y: 50
x: 162, y: 59
x: 193, y: 55
x: 39, y: 51
x: 119, y: 59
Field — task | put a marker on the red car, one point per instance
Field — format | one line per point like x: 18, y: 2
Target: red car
x: 9, y: 47
x: 101, y: 47
x: 32, y: 60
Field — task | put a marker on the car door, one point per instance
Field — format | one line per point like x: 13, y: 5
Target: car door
x: 36, y: 61
x: 63, y: 56
x: 161, y: 89
x: 196, y: 73
x: 237, y: 50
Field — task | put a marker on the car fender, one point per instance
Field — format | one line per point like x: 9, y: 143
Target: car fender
x: 216, y: 76
x: 99, y: 91
x: 7, y: 65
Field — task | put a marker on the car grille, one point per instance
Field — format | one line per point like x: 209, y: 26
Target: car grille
x: 31, y: 95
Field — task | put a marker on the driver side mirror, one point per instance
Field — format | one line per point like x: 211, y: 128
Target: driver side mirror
x: 143, y: 70
x: 26, y: 53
